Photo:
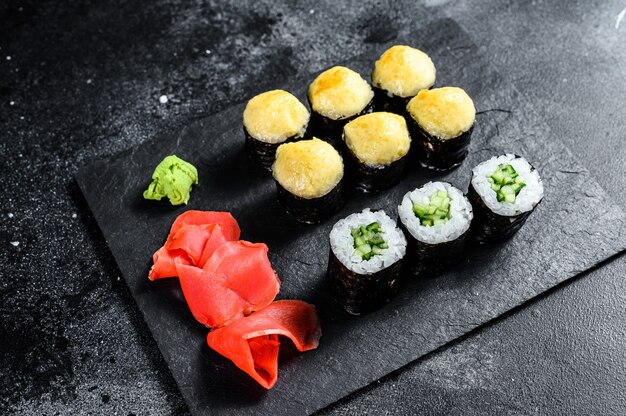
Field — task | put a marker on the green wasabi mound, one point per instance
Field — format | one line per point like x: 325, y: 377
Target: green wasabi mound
x: 172, y: 178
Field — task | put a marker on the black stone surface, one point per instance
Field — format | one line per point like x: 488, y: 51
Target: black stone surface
x: 85, y: 79
x: 558, y: 243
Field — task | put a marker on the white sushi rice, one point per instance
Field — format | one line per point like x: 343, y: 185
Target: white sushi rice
x: 342, y: 242
x: 528, y: 197
x: 458, y: 223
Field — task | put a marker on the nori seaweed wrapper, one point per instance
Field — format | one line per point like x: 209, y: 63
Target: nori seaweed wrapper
x: 314, y: 210
x: 430, y: 260
x: 489, y: 227
x: 264, y: 153
x: 373, y: 178
x: 362, y: 293
x: 330, y: 130
x: 390, y: 103
x: 439, y: 154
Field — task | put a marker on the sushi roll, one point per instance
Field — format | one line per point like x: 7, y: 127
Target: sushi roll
x: 308, y: 176
x: 337, y: 96
x: 270, y: 119
x: 366, y: 252
x: 504, y: 191
x: 377, y: 146
x: 441, y: 121
x: 436, y: 218
x: 399, y: 74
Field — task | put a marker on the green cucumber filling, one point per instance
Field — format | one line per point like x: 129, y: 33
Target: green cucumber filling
x: 436, y: 211
x: 506, y: 183
x: 368, y: 241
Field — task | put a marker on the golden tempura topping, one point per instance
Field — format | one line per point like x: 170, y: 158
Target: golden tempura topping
x: 378, y: 138
x: 443, y: 112
x: 339, y: 93
x: 308, y: 168
x: 403, y: 71
x: 274, y: 116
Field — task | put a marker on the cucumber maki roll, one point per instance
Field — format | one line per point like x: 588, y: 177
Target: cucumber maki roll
x: 366, y: 252
x: 399, y: 74
x: 436, y: 218
x: 377, y: 145
x: 337, y: 96
x: 504, y: 191
x: 271, y: 119
x: 308, y: 176
x: 441, y: 121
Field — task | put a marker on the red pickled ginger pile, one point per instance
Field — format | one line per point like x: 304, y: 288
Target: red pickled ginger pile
x: 230, y: 286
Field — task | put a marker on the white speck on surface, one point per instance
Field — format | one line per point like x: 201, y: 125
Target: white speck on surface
x: 12, y: 103
x: 208, y: 52
x: 15, y: 243
x: 21, y: 117
x: 10, y: 215
x: 620, y: 17
x: 74, y: 215
x: 8, y: 58
x: 312, y: 11
x: 163, y: 99
x: 89, y: 81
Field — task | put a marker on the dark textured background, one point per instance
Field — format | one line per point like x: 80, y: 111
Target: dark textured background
x: 560, y: 241
x: 82, y: 81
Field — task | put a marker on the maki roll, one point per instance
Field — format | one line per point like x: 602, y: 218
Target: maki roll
x: 504, y: 191
x: 437, y: 218
x: 366, y: 251
x: 270, y: 119
x: 441, y: 121
x: 399, y: 74
x: 337, y: 96
x: 308, y: 176
x: 377, y: 145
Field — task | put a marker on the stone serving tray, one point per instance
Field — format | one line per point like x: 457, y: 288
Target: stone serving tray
x: 576, y: 227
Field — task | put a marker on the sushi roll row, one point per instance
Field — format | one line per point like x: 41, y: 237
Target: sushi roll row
x: 306, y: 151
x: 367, y: 249
x: 309, y: 174
x: 441, y: 121
x: 337, y: 96
x: 437, y: 219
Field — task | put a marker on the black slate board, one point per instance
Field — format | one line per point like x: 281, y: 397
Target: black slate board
x: 576, y: 227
